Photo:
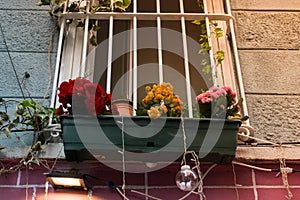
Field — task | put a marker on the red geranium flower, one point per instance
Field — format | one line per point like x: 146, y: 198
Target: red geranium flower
x: 80, y: 96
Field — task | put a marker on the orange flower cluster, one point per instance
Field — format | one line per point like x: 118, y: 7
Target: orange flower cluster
x: 162, y: 100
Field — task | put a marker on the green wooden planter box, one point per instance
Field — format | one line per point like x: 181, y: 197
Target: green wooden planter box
x: 148, y: 140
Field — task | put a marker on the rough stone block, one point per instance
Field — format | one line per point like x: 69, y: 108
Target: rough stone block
x: 27, y: 30
x: 275, y: 117
x: 276, y: 30
x: 270, y: 71
x: 21, y: 5
x: 2, y: 44
x: 33, y: 63
x: 266, y: 4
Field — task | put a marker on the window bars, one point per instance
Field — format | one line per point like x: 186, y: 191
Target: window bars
x: 73, y: 45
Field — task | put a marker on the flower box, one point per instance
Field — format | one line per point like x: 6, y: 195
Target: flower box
x: 149, y: 140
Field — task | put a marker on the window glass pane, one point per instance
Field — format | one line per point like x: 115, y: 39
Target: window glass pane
x: 192, y: 6
x: 146, y: 5
x: 147, y: 55
x: 171, y: 6
x: 101, y: 54
x: 121, y: 59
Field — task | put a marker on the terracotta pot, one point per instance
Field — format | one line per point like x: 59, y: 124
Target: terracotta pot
x: 122, y: 107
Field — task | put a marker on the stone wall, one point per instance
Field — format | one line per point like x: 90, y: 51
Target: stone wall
x: 268, y: 42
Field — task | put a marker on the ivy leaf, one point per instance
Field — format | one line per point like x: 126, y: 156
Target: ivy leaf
x: 59, y: 2
x: 220, y: 56
x: 4, y: 117
x: 20, y: 111
x: 80, y: 24
x: 197, y: 22
x: 43, y: 2
x: 35, y: 161
x: 126, y: 3
x: 25, y: 103
x: 204, y: 62
x: 96, y: 28
x: 11, y: 126
x: 16, y: 120
x: 93, y: 40
x: 206, y: 69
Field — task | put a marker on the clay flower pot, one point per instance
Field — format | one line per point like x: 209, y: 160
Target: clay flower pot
x: 122, y: 107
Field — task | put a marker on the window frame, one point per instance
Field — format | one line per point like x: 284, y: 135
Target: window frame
x: 73, y: 46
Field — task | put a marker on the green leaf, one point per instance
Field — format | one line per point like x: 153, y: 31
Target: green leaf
x: 11, y: 125
x: 59, y: 2
x: 16, y: 120
x: 35, y: 161
x: 7, y: 133
x: 43, y: 2
x: 25, y: 103
x: 20, y: 111
x: 80, y: 24
x: 126, y: 3
x: 4, y: 116
x: 93, y: 40
x: 204, y: 62
x: 220, y: 56
x: 197, y: 22
x: 206, y: 69
x: 96, y: 28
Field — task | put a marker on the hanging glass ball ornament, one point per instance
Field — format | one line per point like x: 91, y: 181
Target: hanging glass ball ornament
x: 186, y: 178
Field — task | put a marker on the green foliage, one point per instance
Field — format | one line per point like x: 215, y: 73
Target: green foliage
x: 204, y: 43
x: 121, y: 5
x: 29, y: 114
x: 76, y: 6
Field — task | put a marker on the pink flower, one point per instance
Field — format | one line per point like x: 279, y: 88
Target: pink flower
x: 206, y: 100
x: 224, y: 99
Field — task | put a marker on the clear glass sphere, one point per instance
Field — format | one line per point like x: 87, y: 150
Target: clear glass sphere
x: 186, y: 178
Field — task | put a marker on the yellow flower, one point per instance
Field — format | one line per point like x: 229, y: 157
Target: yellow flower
x: 154, y: 112
x: 150, y: 94
x: 164, y: 107
x: 159, y: 97
x: 148, y: 88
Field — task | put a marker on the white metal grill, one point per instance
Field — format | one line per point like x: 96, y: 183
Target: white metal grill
x: 73, y: 45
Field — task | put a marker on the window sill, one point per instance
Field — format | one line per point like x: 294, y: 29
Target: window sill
x: 257, y: 154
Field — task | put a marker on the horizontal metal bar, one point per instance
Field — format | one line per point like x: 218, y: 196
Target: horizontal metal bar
x: 148, y: 16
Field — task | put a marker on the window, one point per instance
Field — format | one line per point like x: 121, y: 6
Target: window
x: 153, y: 41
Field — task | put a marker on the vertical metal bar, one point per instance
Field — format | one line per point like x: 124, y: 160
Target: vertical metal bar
x: 130, y: 81
x: 58, y: 56
x: 109, y: 59
x: 85, y: 41
x: 159, y: 44
x: 110, y: 46
x: 186, y: 62
x: 237, y: 63
x: 211, y: 53
x: 134, y: 57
